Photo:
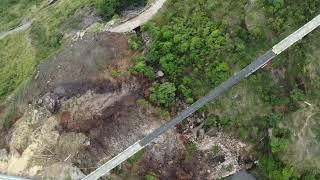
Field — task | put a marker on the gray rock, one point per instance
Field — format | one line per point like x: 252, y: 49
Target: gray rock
x: 160, y: 74
x: 212, y: 132
x: 39, y: 102
x: 3, y: 155
x: 201, y: 134
x: 52, y: 103
x: 60, y: 91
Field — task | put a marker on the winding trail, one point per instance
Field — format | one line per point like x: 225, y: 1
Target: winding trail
x: 139, y: 20
x: 24, y: 27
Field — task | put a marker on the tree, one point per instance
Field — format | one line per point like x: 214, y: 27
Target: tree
x: 163, y: 94
x: 134, y: 42
x: 107, y: 7
x: 140, y: 67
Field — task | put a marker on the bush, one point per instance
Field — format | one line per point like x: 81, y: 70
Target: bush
x: 187, y: 94
x: 136, y: 157
x: 107, y: 7
x: 209, y: 122
x: 134, y: 42
x: 271, y: 168
x: 163, y: 94
x: 278, y: 144
x: 44, y: 41
x: 140, y: 67
x: 150, y: 177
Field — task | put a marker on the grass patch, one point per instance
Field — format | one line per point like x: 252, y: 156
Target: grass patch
x: 96, y: 27
x: 17, y: 63
x: 136, y: 157
x: 191, y: 150
x: 19, y: 57
x: 12, y: 12
x: 150, y: 177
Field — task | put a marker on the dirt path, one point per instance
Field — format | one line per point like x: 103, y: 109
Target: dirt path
x: 24, y: 27
x: 140, y: 19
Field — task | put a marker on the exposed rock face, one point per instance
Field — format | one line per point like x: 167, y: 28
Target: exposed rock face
x: 36, y: 144
x: 51, y: 102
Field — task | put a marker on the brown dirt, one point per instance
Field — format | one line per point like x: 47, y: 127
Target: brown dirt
x: 75, y: 69
x: 114, y: 134
x: 93, y: 102
x: 1, y: 109
x: 81, y: 120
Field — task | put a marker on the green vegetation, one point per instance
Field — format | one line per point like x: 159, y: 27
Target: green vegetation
x: 17, y: 63
x: 13, y: 11
x: 163, y: 94
x: 150, y: 177
x: 135, y: 42
x: 273, y: 169
x: 140, y: 67
x: 46, y: 34
x: 18, y: 56
x: 116, y: 73
x: 199, y: 44
x: 136, y: 157
x: 44, y: 42
x: 209, y: 122
x: 160, y: 112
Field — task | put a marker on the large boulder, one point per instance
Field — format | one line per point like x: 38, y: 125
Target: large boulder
x: 51, y: 102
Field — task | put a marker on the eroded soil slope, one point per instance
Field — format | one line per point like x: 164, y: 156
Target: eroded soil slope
x: 76, y: 115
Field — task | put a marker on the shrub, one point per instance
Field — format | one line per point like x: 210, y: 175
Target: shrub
x: 187, y: 94
x: 44, y: 41
x: 107, y: 7
x: 135, y: 42
x: 136, y: 157
x: 163, y: 94
x: 209, y: 122
x: 150, y: 177
x: 278, y: 144
x: 141, y: 68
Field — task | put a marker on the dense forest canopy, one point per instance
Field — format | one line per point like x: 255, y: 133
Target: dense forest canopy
x: 199, y: 44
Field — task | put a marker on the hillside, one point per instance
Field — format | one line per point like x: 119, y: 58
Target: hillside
x: 72, y: 95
